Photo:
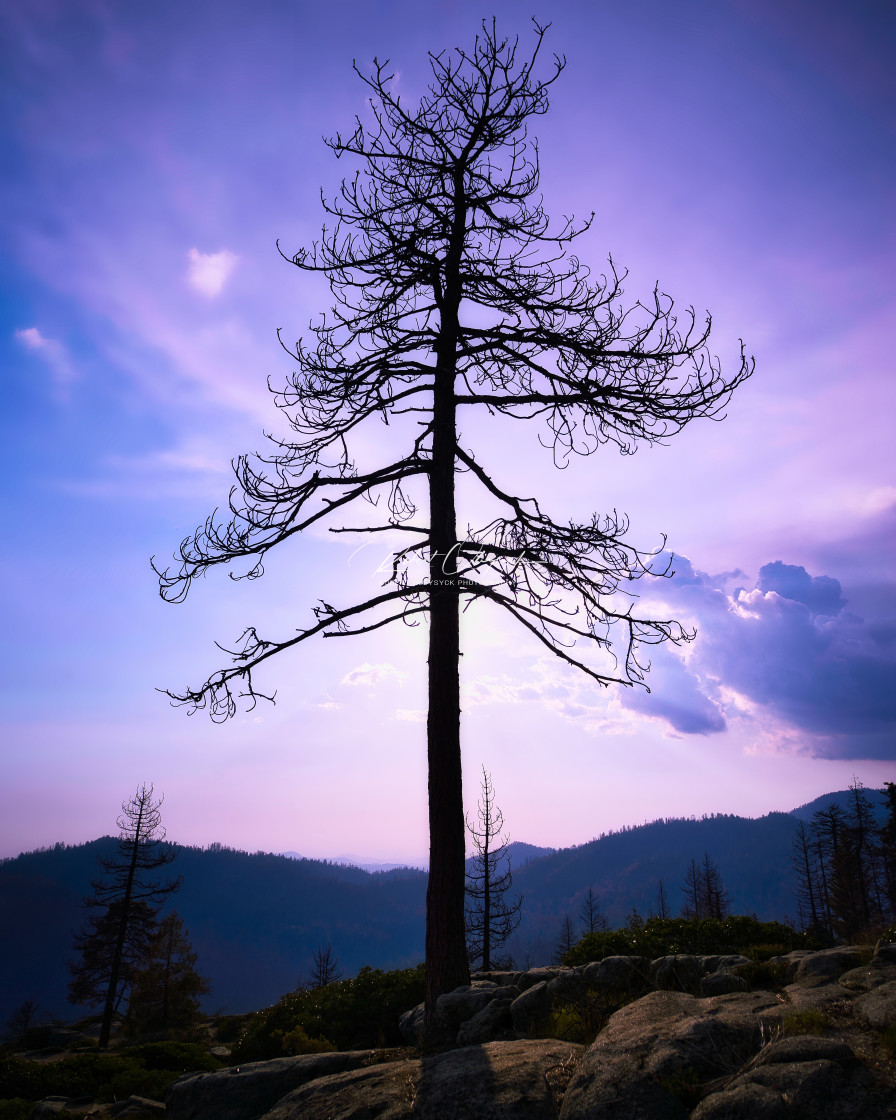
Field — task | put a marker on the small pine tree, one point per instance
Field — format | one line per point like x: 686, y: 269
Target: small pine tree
x: 125, y: 903
x: 165, y: 991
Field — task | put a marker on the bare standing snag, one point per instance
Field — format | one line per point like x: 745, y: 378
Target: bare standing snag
x: 453, y: 291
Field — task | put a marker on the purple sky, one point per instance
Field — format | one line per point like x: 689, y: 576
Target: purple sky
x: 740, y: 153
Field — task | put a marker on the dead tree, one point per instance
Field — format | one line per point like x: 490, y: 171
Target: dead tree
x: 325, y: 968
x: 663, y: 910
x: 454, y: 293
x: 593, y: 921
x: 567, y: 940
x: 489, y: 917
x: 125, y: 901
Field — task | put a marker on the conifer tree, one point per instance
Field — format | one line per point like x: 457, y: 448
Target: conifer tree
x: 125, y: 902
x: 166, y: 988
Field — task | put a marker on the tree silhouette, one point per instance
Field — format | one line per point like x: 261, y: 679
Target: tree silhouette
x: 165, y: 990
x: 567, y: 940
x: 489, y: 918
x: 704, y: 892
x: 454, y: 294
x: 325, y: 968
x: 125, y: 901
x: 663, y: 910
x: 590, y: 913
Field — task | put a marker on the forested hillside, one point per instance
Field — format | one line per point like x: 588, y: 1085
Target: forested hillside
x: 256, y: 919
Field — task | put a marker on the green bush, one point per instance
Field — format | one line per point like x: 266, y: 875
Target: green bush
x: 142, y: 1070
x: 177, y: 1057
x: 228, y: 1027
x: 766, y: 976
x: 355, y: 1014
x: 660, y: 937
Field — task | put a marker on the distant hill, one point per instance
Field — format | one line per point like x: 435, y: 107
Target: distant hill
x: 255, y: 920
x: 875, y: 796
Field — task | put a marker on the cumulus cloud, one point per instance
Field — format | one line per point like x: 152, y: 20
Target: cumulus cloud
x: 676, y: 698
x: 209, y: 272
x: 791, y: 651
x: 50, y: 351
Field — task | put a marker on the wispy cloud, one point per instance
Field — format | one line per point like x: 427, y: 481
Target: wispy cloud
x: 209, y: 272
x: 371, y: 675
x: 52, y: 352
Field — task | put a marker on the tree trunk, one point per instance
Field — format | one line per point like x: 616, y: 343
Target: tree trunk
x: 446, y: 953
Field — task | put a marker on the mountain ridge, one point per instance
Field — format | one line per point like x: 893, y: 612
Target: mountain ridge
x: 256, y: 919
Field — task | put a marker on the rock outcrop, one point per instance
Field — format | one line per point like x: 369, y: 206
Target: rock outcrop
x: 673, y: 1038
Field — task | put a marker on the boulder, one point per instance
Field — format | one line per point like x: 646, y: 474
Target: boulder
x: 677, y: 973
x: 791, y: 961
x: 536, y: 976
x: 502, y: 979
x: 877, y: 1008
x: 885, y: 952
x: 411, y: 1024
x: 568, y: 987
x: 136, y: 1108
x: 493, y: 1023
x: 806, y: 1048
x: 518, y: 1080
x: 868, y: 976
x: 794, y: 1084
x: 801, y: 1076
x: 531, y: 1011
x: 721, y: 983
x: 248, y: 1091
x: 722, y: 963
x: 743, y: 1101
x: 454, y: 1008
x: 827, y: 965
x: 620, y: 975
x: 650, y: 1047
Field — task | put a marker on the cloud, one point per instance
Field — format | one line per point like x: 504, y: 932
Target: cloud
x: 50, y: 351
x: 209, y: 272
x: 676, y: 698
x: 370, y: 675
x: 820, y: 594
x: 790, y: 649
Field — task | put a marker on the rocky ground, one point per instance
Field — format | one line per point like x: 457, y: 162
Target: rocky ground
x: 687, y: 1039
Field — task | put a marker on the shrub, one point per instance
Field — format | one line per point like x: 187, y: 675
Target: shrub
x: 354, y: 1014
x: 146, y: 1071
x: 767, y: 976
x: 228, y: 1027
x: 660, y: 937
